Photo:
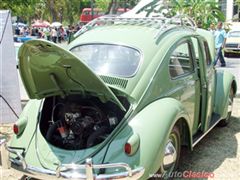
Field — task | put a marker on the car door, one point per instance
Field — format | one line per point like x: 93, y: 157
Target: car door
x: 207, y: 79
x: 209, y: 75
x: 185, y: 79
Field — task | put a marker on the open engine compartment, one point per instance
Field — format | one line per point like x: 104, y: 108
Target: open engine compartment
x: 77, y: 122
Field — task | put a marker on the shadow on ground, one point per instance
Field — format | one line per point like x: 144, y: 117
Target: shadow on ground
x: 216, y: 152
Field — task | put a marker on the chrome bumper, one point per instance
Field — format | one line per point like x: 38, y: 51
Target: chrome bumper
x: 66, y: 171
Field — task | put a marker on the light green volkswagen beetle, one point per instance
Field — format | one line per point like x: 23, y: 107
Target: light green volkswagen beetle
x: 120, y: 102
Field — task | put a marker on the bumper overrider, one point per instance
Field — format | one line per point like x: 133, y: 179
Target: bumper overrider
x: 66, y: 171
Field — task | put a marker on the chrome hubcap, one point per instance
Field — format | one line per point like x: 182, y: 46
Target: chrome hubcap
x: 170, y: 155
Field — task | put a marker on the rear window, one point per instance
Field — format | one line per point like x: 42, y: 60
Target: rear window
x: 234, y: 34
x: 108, y: 59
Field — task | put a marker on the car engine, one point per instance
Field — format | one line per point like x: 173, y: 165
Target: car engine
x: 79, y: 124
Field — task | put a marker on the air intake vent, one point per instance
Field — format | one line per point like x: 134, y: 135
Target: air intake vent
x: 122, y: 83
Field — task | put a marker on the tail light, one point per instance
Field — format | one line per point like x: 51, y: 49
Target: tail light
x: 15, y: 129
x: 127, y: 148
x: 20, y: 125
x: 132, y: 145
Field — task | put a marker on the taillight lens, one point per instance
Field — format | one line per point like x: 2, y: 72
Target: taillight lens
x: 20, y: 125
x: 132, y: 144
x: 128, y: 148
x: 15, y: 129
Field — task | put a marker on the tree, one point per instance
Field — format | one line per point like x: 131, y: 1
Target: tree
x: 102, y: 4
x: 67, y: 11
x: 204, y: 11
x: 24, y: 9
x: 111, y: 6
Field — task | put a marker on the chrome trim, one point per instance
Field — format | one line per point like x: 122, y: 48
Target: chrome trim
x: 70, y: 171
x: 4, y: 154
x: 89, y: 169
x: 206, y: 132
x: 22, y: 160
x: 170, y: 154
x: 2, y: 141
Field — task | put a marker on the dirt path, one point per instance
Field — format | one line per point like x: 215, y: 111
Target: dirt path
x: 6, y: 174
x: 218, y: 152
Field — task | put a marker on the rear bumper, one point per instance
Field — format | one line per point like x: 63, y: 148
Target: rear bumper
x: 67, y: 171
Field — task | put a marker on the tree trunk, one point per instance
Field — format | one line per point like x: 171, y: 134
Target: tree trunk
x: 113, y: 6
x: 52, y: 11
x: 70, y: 13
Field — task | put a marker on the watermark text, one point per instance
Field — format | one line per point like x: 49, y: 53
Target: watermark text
x: 185, y: 174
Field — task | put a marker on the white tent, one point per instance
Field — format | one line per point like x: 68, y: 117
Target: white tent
x: 10, y: 104
x: 56, y: 24
x: 19, y: 24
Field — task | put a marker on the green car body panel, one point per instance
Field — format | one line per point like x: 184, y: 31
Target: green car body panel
x: 147, y: 129
x: 158, y: 100
x: 224, y: 81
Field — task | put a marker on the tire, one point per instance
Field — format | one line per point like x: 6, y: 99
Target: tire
x: 173, y: 146
x: 224, y: 122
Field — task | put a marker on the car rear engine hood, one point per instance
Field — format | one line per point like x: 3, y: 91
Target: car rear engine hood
x: 49, y: 70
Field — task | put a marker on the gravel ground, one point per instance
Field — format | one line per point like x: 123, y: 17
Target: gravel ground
x: 218, y: 153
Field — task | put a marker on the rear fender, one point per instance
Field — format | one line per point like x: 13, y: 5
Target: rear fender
x: 224, y: 82
x: 153, y: 125
x: 30, y: 114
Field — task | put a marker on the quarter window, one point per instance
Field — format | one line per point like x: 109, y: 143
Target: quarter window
x: 180, y: 61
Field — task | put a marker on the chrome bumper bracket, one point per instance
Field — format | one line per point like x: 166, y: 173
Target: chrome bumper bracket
x: 65, y: 171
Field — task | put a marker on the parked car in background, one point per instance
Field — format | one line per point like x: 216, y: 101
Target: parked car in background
x: 87, y: 16
x: 232, y: 45
x: 22, y: 39
x: 121, y: 102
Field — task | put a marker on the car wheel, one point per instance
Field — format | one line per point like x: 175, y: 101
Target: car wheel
x: 224, y: 122
x: 171, y: 155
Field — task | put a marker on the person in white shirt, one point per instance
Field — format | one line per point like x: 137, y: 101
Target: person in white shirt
x: 54, y: 34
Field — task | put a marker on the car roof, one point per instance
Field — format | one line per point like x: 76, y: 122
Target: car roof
x: 148, y: 39
x: 139, y: 33
x: 127, y: 35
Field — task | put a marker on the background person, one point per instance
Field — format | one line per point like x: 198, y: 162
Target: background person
x: 220, y: 39
x: 59, y: 35
x: 212, y: 28
x: 47, y: 32
x: 54, y: 34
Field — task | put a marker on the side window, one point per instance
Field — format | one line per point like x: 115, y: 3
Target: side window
x: 86, y: 12
x: 207, y: 53
x: 180, y: 61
